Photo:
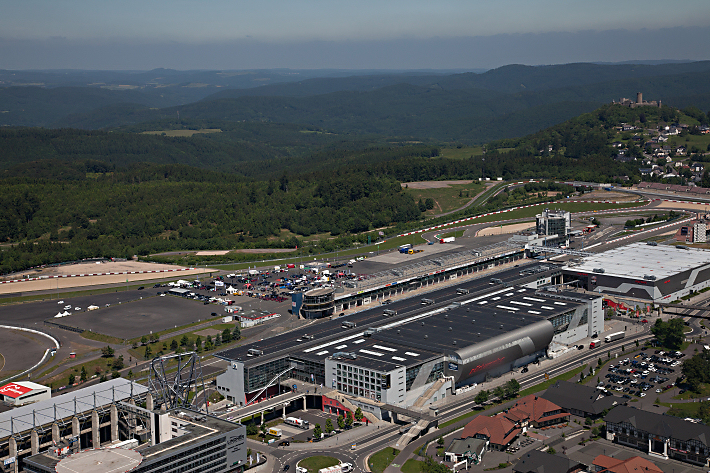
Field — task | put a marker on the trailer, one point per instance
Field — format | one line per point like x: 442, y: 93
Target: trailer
x: 447, y: 240
x: 295, y: 421
x: 275, y: 432
x: 614, y: 336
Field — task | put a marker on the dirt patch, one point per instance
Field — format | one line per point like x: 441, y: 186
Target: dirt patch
x: 212, y: 253
x: 96, y: 267
x: 208, y: 331
x: 687, y: 206
x: 433, y: 184
x: 265, y: 250
x: 498, y: 230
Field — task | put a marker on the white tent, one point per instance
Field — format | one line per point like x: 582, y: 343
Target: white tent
x: 230, y: 290
x: 92, y: 307
x: 65, y: 313
x: 59, y: 314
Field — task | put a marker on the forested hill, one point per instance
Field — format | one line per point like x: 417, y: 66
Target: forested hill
x: 468, y: 115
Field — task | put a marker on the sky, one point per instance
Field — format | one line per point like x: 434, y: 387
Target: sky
x: 383, y: 34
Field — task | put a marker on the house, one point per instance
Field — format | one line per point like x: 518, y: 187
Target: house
x: 536, y: 461
x: 581, y: 400
x: 498, y: 431
x: 659, y: 435
x: 471, y: 449
x: 604, y: 464
x: 696, y: 167
x: 681, y: 150
x: 645, y: 171
x: 535, y: 411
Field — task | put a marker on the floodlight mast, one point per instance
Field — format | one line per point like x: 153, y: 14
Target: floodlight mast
x: 171, y: 385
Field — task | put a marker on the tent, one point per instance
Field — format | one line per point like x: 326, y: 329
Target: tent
x: 59, y: 314
x: 65, y: 313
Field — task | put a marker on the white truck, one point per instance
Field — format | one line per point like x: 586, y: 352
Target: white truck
x: 342, y: 468
x: 447, y: 240
x: 275, y: 432
x: 295, y: 421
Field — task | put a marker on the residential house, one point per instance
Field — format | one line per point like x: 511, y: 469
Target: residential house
x: 498, y: 431
x: 603, y: 464
x: 581, y: 400
x: 535, y: 411
x: 659, y: 435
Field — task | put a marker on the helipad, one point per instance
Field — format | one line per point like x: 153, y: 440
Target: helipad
x: 105, y: 460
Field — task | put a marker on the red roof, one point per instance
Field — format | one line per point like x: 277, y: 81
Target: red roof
x: 534, y: 409
x: 498, y: 429
x: 631, y: 465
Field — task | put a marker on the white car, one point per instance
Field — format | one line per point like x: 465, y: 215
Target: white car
x: 60, y: 302
x: 659, y: 390
x: 67, y: 307
x: 642, y: 395
x: 77, y: 309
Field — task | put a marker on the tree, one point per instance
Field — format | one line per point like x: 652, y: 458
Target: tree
x: 358, y: 414
x: 481, y: 397
x: 317, y: 432
x: 237, y: 332
x: 148, y: 352
x: 440, y: 441
x: 696, y: 370
x: 263, y: 429
x: 252, y: 429
x: 599, y: 363
x: 499, y: 392
x: 83, y: 374
x: 184, y: 341
x: 72, y: 379
x: 198, y: 342
x: 512, y: 388
x: 429, y: 203
x: 226, y: 335
x: 349, y: 420
x: 118, y: 363
x: 129, y: 375
x: 669, y: 334
x: 341, y: 422
x: 144, y: 340
x: 107, y: 352
x: 173, y: 345
x: 115, y: 374
x: 328, y: 426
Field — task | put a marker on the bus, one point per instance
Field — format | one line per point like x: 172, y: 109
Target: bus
x: 389, y: 312
x: 427, y: 301
x: 347, y: 324
x: 614, y: 336
x: 595, y: 343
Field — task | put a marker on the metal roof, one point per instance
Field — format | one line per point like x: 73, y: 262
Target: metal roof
x: 639, y: 259
x: 66, y: 405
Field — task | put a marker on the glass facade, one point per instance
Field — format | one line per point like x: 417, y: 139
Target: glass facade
x: 256, y: 377
x: 360, y: 381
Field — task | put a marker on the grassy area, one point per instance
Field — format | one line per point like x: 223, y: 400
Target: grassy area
x: 99, y: 337
x: 464, y: 152
x: 704, y: 393
x: 382, y: 459
x: 78, y: 293
x: 97, y: 366
x: 413, y: 466
x: 182, y: 132
x: 455, y: 233
x: 446, y: 198
x: 684, y: 409
x: 313, y: 464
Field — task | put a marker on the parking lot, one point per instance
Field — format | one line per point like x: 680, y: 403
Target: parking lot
x: 650, y: 372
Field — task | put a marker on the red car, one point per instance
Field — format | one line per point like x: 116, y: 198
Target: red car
x: 644, y: 321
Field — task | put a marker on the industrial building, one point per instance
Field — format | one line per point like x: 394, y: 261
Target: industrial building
x: 554, y: 223
x: 24, y: 392
x: 185, y: 441
x: 436, y: 349
x: 656, y: 273
x: 37, y: 437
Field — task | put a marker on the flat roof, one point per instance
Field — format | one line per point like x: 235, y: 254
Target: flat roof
x: 43, y: 412
x: 639, y: 259
x: 103, y: 460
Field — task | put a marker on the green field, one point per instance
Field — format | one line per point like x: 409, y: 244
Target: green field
x: 464, y: 152
x: 382, y: 459
x: 313, y: 464
x: 447, y: 198
x: 413, y: 466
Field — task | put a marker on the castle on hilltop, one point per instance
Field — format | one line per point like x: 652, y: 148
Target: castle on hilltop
x: 638, y: 103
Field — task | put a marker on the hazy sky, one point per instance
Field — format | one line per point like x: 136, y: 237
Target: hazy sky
x: 236, y: 34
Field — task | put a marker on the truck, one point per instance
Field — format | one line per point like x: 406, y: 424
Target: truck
x: 405, y: 248
x: 447, y: 240
x: 595, y: 343
x: 342, y: 468
x: 614, y: 336
x: 295, y: 421
x: 275, y: 432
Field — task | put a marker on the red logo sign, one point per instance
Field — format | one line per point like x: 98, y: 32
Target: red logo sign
x: 14, y: 390
x: 478, y: 368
